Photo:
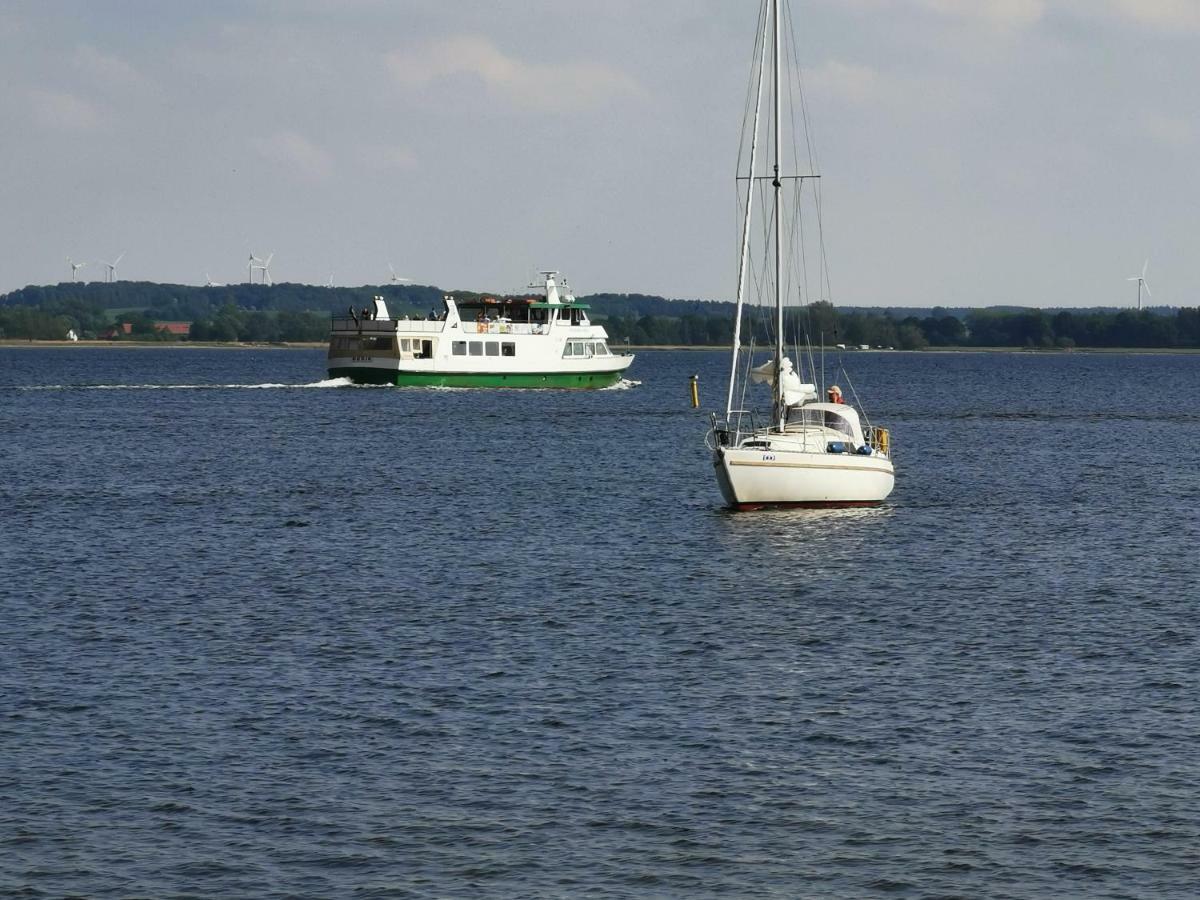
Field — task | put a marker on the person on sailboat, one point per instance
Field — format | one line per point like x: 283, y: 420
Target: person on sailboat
x: 835, y: 394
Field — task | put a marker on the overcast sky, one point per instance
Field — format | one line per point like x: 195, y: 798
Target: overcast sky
x: 973, y: 152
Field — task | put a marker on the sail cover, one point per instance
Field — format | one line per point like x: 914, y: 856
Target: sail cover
x: 794, y: 390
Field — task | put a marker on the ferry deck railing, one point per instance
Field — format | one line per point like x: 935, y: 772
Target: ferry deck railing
x: 385, y: 326
x: 345, y: 323
x: 504, y: 328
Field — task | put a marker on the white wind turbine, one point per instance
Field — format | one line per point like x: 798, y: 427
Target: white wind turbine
x: 1142, y: 283
x: 111, y: 275
x: 75, y: 267
x: 397, y: 279
x: 208, y: 282
x: 263, y: 265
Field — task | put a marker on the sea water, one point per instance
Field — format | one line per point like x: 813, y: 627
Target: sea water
x: 266, y: 635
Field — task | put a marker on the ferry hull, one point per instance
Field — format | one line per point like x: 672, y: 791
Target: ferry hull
x: 558, y: 380
x: 753, y: 479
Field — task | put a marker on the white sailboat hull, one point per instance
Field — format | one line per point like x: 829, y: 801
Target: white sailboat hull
x: 751, y: 478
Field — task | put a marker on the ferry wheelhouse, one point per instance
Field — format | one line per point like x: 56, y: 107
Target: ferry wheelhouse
x: 522, y: 342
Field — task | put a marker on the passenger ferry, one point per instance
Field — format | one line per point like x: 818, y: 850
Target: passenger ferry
x: 516, y: 342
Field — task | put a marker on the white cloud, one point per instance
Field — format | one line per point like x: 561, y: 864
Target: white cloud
x: 1004, y: 14
x: 296, y: 153
x: 1167, y: 15
x: 556, y: 86
x: 846, y: 81
x: 1172, y: 132
x: 103, y: 67
x: 64, y: 111
x: 1162, y: 15
x: 386, y: 157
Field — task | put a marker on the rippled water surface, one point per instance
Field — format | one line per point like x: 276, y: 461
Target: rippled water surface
x: 306, y: 640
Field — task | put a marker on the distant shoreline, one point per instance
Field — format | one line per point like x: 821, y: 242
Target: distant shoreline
x: 166, y: 345
x: 321, y: 345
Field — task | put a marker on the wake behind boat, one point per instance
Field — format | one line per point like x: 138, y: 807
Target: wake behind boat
x: 489, y: 342
x: 809, y: 452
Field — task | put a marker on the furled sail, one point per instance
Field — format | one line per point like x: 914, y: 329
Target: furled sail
x: 795, y: 391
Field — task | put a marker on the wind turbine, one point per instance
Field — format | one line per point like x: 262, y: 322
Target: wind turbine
x: 329, y: 283
x: 1142, y: 283
x: 208, y: 282
x: 111, y: 274
x: 75, y: 267
x: 254, y: 263
x: 396, y: 279
x: 266, y: 269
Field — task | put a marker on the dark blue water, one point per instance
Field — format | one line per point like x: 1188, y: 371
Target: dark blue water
x: 290, y: 641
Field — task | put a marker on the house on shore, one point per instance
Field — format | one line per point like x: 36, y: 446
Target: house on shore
x: 179, y: 330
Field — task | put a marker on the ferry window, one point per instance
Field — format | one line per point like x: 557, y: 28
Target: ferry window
x: 508, y: 348
x: 458, y: 348
x: 405, y: 345
x: 591, y: 349
x: 477, y: 348
x: 601, y: 349
x: 493, y: 349
x: 376, y: 343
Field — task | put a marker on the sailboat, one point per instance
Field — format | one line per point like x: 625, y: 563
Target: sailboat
x: 813, y: 450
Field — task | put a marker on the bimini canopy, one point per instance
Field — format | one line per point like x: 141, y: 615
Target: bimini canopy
x: 794, y: 390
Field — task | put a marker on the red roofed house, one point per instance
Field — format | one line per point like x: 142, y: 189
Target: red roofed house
x: 179, y: 329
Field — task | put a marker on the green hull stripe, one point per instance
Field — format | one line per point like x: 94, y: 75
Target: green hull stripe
x: 575, y: 380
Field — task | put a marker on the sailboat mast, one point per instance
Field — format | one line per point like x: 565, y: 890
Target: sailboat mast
x: 745, y: 257
x: 780, y: 410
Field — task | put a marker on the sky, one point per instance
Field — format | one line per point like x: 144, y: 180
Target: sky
x: 973, y: 152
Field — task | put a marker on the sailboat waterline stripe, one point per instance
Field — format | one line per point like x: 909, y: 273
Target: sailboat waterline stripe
x: 829, y: 468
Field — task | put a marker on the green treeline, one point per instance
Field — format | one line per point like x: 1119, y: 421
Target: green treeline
x: 236, y: 312
x: 822, y: 323
x: 299, y: 312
